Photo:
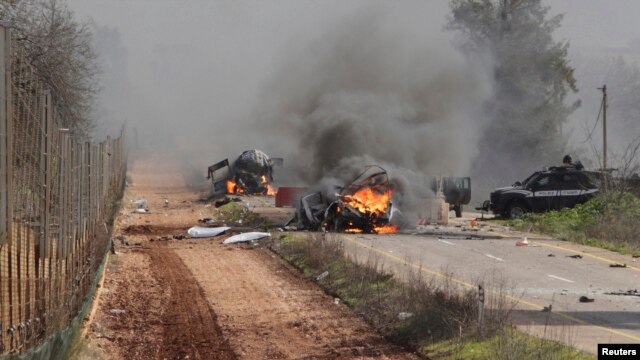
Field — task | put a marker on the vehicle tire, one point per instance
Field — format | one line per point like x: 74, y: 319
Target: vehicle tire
x: 458, y: 210
x: 516, y: 210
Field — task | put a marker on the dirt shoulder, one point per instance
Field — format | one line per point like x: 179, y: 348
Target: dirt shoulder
x: 198, y: 299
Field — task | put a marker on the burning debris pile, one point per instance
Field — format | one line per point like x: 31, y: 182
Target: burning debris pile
x: 364, y: 205
x: 251, y: 174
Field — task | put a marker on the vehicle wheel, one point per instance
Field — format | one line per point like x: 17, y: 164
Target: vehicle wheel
x: 458, y: 210
x: 516, y: 210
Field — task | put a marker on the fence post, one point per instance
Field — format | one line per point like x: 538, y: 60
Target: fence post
x: 6, y: 167
x: 480, y: 311
x: 5, y: 134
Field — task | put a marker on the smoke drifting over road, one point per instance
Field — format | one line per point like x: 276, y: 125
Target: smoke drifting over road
x: 330, y: 88
x: 369, y: 93
x: 329, y: 85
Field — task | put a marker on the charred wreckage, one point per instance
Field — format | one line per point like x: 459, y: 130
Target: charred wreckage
x: 251, y: 174
x: 363, y: 205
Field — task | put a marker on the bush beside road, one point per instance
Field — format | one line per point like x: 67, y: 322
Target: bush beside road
x: 610, y: 221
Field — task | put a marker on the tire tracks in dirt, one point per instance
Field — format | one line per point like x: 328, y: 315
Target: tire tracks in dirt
x: 190, y: 326
x: 199, y: 299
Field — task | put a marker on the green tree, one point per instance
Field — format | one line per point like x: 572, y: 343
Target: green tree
x: 532, y: 78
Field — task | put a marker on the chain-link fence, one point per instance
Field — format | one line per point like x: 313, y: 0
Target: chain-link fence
x: 57, y: 199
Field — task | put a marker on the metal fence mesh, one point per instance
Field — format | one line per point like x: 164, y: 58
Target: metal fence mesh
x: 57, y: 197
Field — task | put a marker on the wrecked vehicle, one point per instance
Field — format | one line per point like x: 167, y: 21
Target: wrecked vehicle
x: 363, y: 205
x: 456, y: 191
x: 553, y: 189
x: 251, y: 173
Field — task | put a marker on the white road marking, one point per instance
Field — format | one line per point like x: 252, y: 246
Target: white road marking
x: 559, y: 278
x: 447, y: 242
x: 494, y: 257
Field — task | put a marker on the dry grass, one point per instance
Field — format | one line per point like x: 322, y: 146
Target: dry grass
x: 444, y: 316
x: 440, y: 310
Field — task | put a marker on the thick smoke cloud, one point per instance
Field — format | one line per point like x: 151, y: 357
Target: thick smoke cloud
x: 368, y: 93
x: 331, y: 88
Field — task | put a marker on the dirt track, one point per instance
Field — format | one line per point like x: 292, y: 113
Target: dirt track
x: 197, y: 299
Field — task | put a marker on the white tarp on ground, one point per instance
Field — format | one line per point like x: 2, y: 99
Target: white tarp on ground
x: 202, y: 232
x: 246, y: 237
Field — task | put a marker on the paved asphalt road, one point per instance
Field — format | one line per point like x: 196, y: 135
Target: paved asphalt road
x: 532, y: 277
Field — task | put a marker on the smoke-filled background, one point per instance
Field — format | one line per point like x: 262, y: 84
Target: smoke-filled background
x: 332, y: 86
x: 372, y: 90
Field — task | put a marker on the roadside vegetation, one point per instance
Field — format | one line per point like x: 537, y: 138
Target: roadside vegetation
x: 610, y: 221
x: 235, y: 213
x: 436, y: 318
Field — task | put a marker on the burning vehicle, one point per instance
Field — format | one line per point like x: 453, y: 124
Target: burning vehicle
x: 251, y: 174
x: 363, y: 205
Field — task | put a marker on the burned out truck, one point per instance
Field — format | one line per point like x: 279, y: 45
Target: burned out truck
x: 251, y: 173
x: 366, y: 203
x: 363, y: 205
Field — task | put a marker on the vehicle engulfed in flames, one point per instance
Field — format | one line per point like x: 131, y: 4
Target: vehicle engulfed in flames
x: 362, y: 206
x: 251, y: 174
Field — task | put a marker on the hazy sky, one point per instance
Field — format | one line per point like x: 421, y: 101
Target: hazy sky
x: 195, y: 66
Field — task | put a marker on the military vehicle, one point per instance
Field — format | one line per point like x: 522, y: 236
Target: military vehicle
x: 551, y: 189
x: 251, y: 174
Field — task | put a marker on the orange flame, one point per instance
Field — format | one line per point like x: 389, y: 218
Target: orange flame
x: 367, y: 200
x: 270, y: 190
x: 371, y: 201
x: 387, y: 229
x: 233, y: 188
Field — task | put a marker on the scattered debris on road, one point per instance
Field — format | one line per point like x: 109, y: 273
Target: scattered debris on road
x: 547, y: 308
x: 618, y: 265
x: 523, y: 242
x: 204, y: 232
x: 584, y: 299
x: 577, y: 256
x: 551, y: 255
x: 633, y: 292
x: 246, y: 237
